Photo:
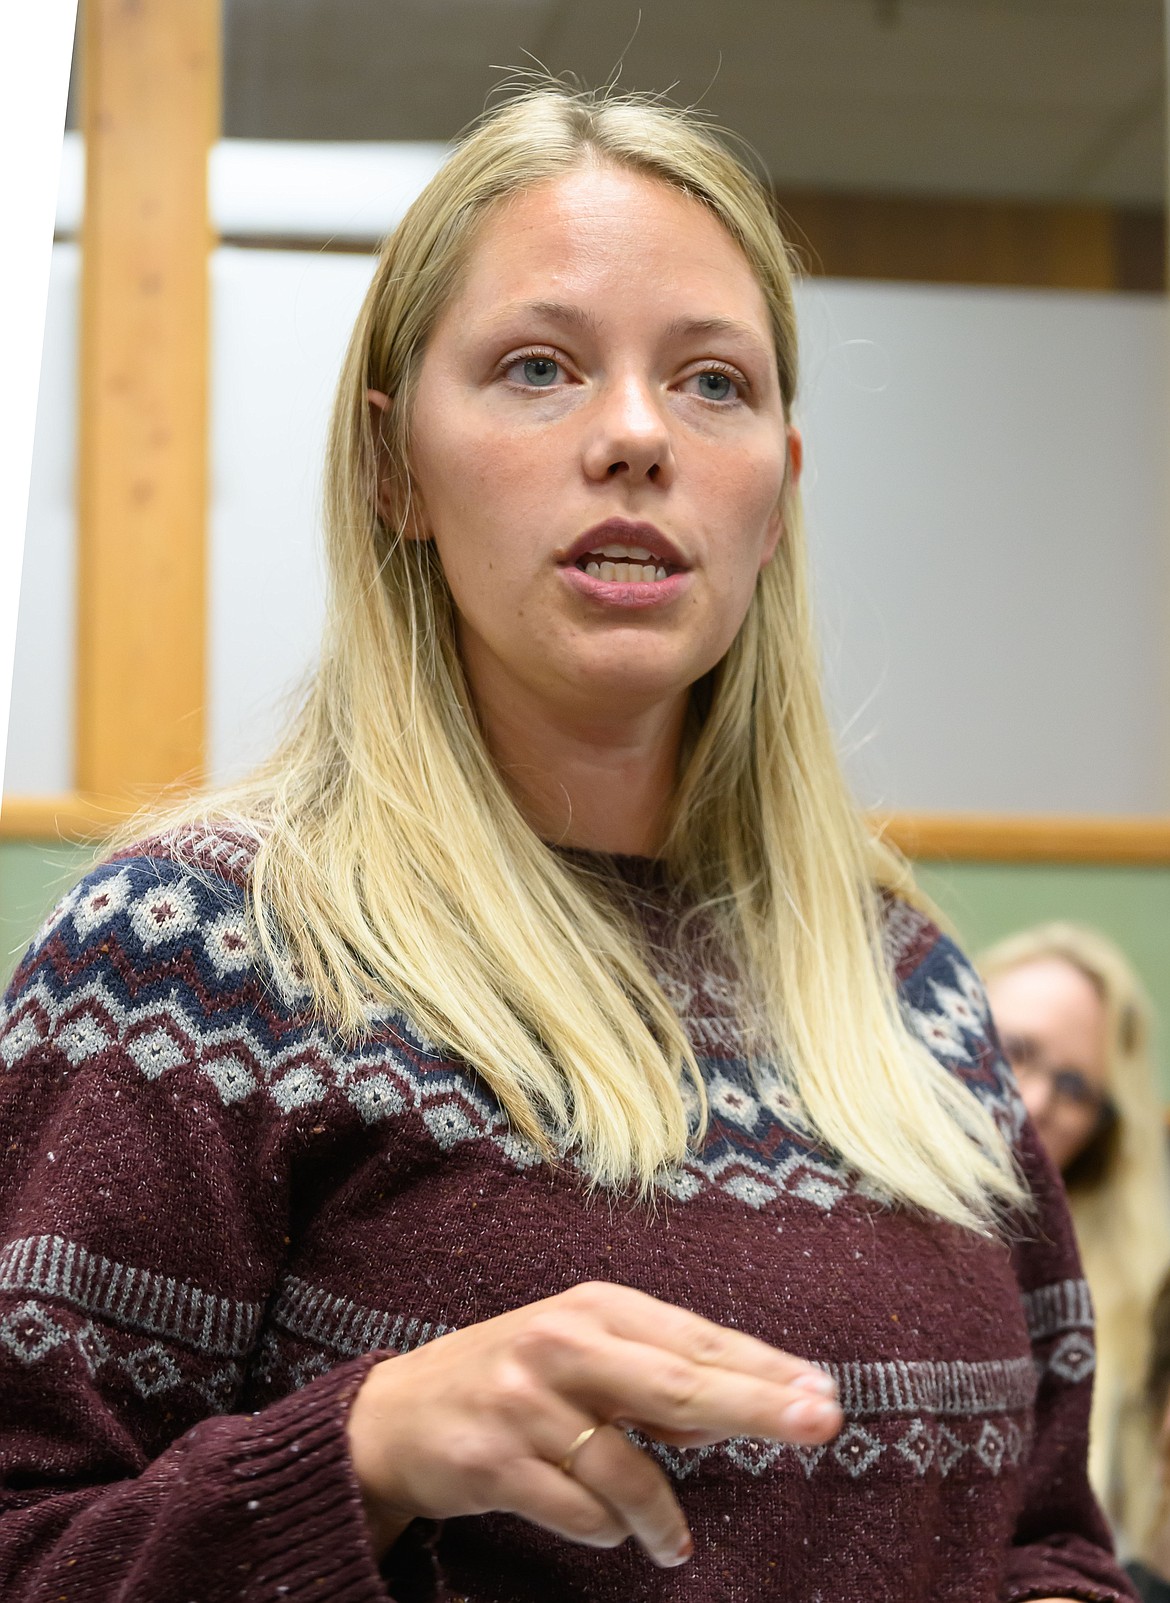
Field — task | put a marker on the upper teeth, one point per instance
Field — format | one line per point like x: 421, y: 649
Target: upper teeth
x: 624, y: 553
x: 625, y: 572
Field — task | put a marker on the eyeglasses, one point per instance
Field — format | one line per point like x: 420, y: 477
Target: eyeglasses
x: 1069, y: 1086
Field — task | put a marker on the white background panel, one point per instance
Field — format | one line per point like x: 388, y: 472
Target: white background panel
x: 280, y: 323
x: 988, y: 504
x: 40, y: 731
x: 36, y: 44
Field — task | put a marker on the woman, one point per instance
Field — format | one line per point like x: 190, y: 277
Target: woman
x: 541, y: 1017
x: 1075, y: 1026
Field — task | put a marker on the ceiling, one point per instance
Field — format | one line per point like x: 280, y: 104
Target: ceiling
x: 1032, y: 99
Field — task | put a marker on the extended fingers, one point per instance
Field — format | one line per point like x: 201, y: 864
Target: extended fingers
x: 632, y: 1484
x: 670, y: 1396
x: 610, y: 1491
x: 634, y: 1316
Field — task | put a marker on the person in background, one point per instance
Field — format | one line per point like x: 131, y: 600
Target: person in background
x: 1076, y: 1026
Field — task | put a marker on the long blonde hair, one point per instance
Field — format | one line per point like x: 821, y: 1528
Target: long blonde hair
x: 395, y: 868
x: 1119, y: 1194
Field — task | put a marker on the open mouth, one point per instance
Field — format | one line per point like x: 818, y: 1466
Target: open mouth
x: 624, y: 564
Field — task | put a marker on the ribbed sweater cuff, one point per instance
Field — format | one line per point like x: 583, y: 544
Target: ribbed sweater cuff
x: 307, y: 1532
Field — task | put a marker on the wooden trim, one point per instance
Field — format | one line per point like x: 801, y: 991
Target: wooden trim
x: 1001, y: 838
x: 55, y: 818
x: 151, y: 113
x: 943, y: 240
x: 957, y: 837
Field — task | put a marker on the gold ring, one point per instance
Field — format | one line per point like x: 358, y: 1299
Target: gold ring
x: 566, y: 1464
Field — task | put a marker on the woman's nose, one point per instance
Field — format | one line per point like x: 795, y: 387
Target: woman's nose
x: 630, y: 435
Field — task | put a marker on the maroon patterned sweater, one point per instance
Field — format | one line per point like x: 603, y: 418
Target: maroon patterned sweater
x: 213, y: 1214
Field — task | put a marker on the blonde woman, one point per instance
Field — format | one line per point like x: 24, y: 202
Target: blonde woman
x: 531, y: 1114
x: 1075, y: 1025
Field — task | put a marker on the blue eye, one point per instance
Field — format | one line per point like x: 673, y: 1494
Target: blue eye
x: 540, y: 371
x: 715, y: 386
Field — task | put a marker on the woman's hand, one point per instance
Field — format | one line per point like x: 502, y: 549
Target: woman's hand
x: 490, y: 1417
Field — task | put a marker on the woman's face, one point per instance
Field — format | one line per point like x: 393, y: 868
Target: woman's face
x: 1051, y: 1020
x: 598, y: 447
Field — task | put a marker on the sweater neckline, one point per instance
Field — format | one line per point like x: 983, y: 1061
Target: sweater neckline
x: 641, y: 873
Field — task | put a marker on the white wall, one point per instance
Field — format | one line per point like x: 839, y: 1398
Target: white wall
x: 987, y: 503
x: 988, y: 506
x: 40, y: 730
x: 280, y: 323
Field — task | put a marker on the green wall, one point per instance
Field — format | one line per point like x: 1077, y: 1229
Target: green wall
x: 987, y: 900
x: 32, y: 877
x: 982, y: 900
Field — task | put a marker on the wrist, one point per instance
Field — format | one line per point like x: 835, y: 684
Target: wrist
x: 366, y: 1434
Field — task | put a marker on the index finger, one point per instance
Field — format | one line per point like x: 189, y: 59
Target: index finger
x: 668, y: 1396
x: 635, y: 1316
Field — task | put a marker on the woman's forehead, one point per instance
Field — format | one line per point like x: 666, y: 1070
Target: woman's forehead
x: 603, y: 234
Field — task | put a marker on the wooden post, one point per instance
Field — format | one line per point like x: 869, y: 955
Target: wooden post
x: 151, y: 112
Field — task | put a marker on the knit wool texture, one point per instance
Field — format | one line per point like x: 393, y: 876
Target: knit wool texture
x: 215, y: 1216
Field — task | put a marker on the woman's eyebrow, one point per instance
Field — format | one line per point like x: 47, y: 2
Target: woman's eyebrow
x: 577, y: 317
x: 691, y: 327
x: 553, y: 312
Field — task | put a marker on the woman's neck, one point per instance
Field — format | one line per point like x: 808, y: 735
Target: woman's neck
x: 599, y: 782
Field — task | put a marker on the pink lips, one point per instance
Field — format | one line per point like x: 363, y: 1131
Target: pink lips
x: 623, y: 531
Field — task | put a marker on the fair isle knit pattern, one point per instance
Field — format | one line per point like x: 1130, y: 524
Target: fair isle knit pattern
x: 213, y: 1212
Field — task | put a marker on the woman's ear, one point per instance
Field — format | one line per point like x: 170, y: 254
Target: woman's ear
x: 397, y: 508
x: 795, y: 442
x: 793, y: 462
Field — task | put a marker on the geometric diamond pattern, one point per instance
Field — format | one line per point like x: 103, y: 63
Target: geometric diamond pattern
x: 165, y: 914
x: 152, y: 1369
x: 1073, y: 1357
x: 916, y: 1446
x: 29, y: 1333
x: 808, y: 1458
x: 157, y: 1050
x: 261, y: 1042
x: 450, y: 1123
x: 231, y: 1077
x: 90, y: 1344
x: 990, y: 1447
x: 91, y: 911
x: 299, y: 1088
x: 84, y: 1035
x: 228, y: 944
x: 949, y: 1449
x: 856, y: 1450
x: 922, y: 1444
x: 746, y: 1452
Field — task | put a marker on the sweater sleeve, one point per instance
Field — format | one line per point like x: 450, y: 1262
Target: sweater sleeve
x: 1061, y: 1546
x: 144, y: 1204
x: 1062, y: 1543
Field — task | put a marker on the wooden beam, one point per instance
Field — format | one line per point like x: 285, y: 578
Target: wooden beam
x: 940, y: 240
x: 55, y: 818
x: 958, y: 837
x: 989, y: 837
x: 150, y: 95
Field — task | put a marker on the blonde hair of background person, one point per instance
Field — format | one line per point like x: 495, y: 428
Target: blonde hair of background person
x: 1119, y: 1194
x: 394, y: 866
